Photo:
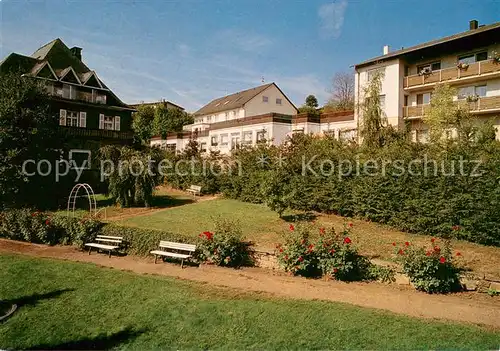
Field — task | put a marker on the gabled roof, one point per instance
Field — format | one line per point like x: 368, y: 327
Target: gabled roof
x: 232, y: 101
x: 62, y: 63
x: 397, y: 53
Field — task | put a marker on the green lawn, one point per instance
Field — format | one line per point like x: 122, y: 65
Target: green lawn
x: 257, y: 221
x: 75, y: 305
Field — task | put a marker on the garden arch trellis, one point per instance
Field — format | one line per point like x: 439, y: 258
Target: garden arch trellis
x: 73, y: 196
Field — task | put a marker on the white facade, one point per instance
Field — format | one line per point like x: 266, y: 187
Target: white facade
x: 407, y: 83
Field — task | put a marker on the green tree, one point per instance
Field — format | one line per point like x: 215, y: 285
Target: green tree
x: 133, y: 174
x: 311, y: 101
x: 168, y: 120
x: 373, y: 120
x: 27, y: 132
x: 143, y: 123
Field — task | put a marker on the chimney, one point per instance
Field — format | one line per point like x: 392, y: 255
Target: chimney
x: 77, y: 52
x: 473, y: 24
x: 386, y: 49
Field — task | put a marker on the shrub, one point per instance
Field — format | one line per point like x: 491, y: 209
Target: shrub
x: 332, y: 255
x: 223, y: 247
x: 431, y: 269
x: 296, y: 255
x: 338, y: 258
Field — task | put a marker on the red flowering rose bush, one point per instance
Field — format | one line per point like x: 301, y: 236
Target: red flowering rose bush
x: 331, y: 254
x: 433, y: 269
x: 297, y: 255
x: 224, y: 246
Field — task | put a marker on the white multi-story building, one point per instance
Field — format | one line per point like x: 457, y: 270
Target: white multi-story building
x: 468, y: 61
x: 249, y: 116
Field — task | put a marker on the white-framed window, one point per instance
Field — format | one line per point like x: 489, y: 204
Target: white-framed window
x: 235, y: 140
x: 371, y: 73
x: 224, y: 139
x: 79, y: 159
x: 69, y: 91
x: 278, y: 101
x: 226, y: 116
x: 265, y: 98
x: 247, y: 137
x: 72, y: 118
x: 234, y: 113
x: 471, y: 58
x: 109, y: 123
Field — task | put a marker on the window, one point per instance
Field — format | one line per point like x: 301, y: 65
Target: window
x: 235, y: 140
x: 226, y: 115
x: 108, y: 123
x: 261, y: 135
x: 101, y: 99
x: 265, y: 99
x: 434, y: 66
x: 423, y: 99
x: 347, y: 135
x: 203, y: 147
x: 278, y: 101
x: 471, y: 58
x: 406, y: 100
x: 382, y: 102
x: 378, y: 71
x: 247, y: 137
x: 234, y: 113
x: 72, y: 118
x: 478, y: 90
x: 69, y: 92
x: 213, y: 140
x: 79, y: 159
x: 224, y: 139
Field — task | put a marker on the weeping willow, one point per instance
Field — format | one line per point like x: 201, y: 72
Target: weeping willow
x: 132, y: 174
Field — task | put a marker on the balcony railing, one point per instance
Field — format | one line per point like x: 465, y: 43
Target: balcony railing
x: 98, y: 133
x: 452, y: 73
x: 482, y: 104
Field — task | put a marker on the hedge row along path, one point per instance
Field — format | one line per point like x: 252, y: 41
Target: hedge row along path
x: 462, y: 307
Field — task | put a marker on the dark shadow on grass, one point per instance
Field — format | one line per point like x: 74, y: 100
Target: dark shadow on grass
x: 168, y: 201
x: 300, y: 217
x: 100, y: 342
x: 32, y: 300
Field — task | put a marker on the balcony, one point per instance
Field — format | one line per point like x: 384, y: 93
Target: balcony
x: 481, y: 69
x: 98, y: 133
x: 482, y: 105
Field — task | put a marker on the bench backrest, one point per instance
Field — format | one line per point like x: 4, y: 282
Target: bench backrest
x: 195, y: 188
x: 177, y: 246
x: 114, y: 239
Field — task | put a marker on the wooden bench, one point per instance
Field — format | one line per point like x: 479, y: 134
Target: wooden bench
x: 105, y: 242
x: 171, y: 249
x: 194, y: 190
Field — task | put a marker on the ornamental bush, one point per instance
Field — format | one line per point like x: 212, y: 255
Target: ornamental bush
x: 433, y: 269
x: 224, y: 246
x: 331, y: 254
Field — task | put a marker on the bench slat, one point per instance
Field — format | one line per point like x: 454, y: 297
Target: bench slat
x: 177, y: 246
x: 170, y: 254
x: 109, y: 240
x: 109, y: 237
x: 102, y: 246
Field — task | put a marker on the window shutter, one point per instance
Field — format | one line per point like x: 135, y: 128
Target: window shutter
x: 117, y: 122
x: 62, y: 117
x: 101, y: 121
x: 83, y: 119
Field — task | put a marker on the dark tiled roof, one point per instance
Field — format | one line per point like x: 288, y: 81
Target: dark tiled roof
x: 461, y: 35
x: 232, y: 101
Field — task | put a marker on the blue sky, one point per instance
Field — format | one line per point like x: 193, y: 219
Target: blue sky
x: 190, y: 52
